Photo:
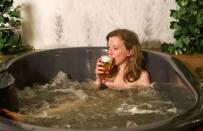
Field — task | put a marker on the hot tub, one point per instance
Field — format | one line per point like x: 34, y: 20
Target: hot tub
x: 40, y: 67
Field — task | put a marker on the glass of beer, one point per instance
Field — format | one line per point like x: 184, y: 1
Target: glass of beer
x: 108, y: 62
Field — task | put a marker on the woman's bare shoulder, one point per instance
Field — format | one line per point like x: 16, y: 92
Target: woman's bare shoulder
x: 144, y: 73
x: 144, y: 78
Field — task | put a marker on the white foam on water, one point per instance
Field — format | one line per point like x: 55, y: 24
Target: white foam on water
x: 127, y: 109
x: 133, y: 109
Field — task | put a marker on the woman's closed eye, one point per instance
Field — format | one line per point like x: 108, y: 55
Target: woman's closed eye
x: 112, y: 48
x: 115, y: 48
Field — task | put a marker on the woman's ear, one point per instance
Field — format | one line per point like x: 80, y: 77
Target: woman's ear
x: 129, y: 53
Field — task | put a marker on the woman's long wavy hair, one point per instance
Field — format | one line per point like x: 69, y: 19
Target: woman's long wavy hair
x: 131, y: 42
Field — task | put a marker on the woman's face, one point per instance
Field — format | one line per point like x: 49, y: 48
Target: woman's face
x: 117, y: 50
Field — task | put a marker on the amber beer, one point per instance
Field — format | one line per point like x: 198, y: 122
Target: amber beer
x: 108, y: 61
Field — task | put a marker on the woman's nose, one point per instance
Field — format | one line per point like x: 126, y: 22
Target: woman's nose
x: 110, y: 52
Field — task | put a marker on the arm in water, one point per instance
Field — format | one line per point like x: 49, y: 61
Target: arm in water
x: 64, y: 107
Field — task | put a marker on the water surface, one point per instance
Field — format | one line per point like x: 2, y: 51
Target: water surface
x: 77, y: 105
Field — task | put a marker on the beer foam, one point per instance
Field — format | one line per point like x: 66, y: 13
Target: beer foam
x: 106, y: 58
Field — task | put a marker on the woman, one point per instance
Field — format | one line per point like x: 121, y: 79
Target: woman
x: 127, y: 72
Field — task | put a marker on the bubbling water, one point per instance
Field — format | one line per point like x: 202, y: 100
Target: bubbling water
x: 64, y: 103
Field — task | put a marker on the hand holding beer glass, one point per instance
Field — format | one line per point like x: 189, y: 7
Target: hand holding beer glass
x: 107, y: 64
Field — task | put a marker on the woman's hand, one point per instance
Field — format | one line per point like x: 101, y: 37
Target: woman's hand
x: 99, y: 71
